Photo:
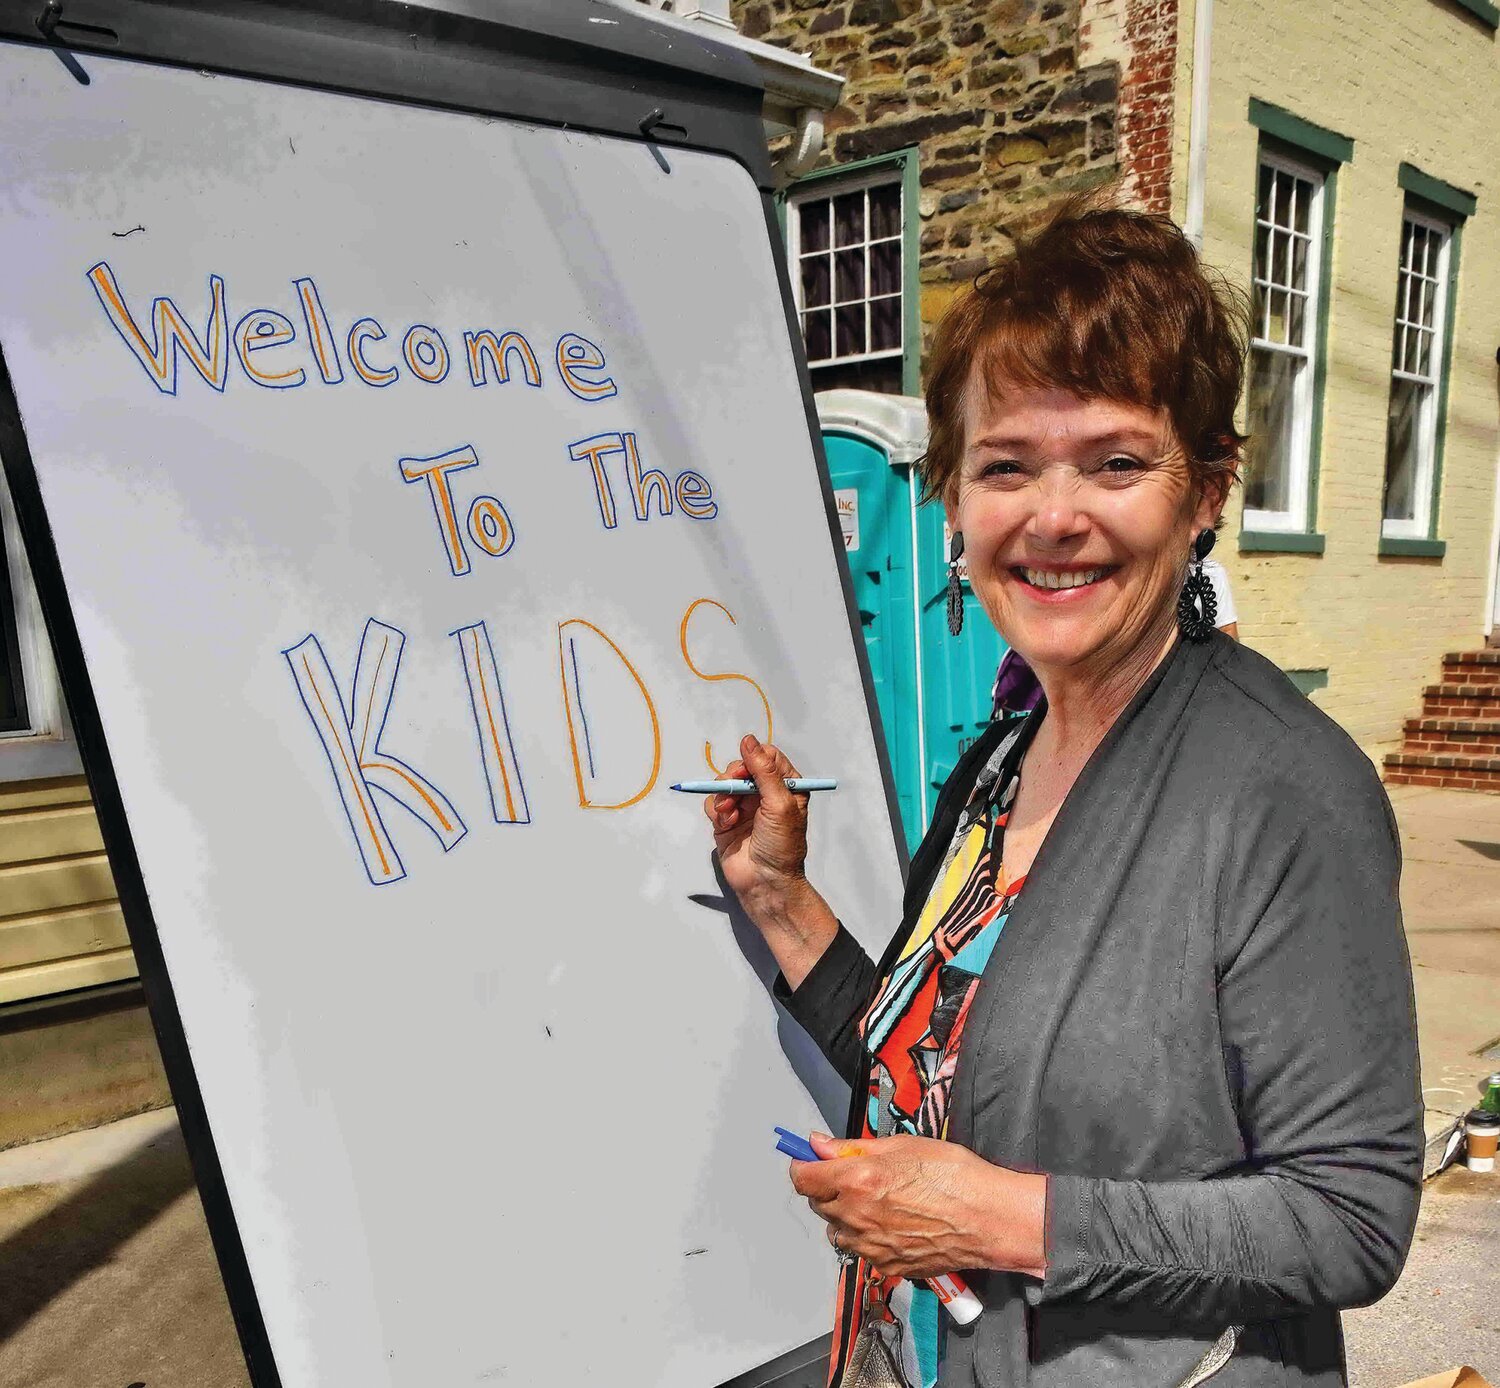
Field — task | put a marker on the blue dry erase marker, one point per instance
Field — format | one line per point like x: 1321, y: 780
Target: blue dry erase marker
x: 797, y: 1148
x: 950, y: 1288
x: 798, y: 785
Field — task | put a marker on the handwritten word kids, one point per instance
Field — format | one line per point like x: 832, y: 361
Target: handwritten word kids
x: 350, y: 728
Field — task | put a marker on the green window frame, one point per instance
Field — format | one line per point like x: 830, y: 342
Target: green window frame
x: 1432, y: 222
x: 901, y: 168
x: 1482, y: 10
x: 1299, y: 149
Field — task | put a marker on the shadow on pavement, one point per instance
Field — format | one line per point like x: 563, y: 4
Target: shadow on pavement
x: 44, y: 1257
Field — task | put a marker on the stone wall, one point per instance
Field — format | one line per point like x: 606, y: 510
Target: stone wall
x: 993, y: 93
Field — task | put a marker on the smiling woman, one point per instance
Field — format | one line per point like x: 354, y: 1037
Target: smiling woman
x: 1173, y: 882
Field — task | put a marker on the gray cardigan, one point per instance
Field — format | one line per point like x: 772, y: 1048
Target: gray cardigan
x: 1199, y: 1022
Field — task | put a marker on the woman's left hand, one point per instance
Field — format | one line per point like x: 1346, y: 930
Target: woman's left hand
x: 916, y: 1207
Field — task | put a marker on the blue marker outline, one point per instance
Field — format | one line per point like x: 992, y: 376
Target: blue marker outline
x: 482, y: 627
x: 583, y: 717
x: 213, y: 300
x: 380, y: 731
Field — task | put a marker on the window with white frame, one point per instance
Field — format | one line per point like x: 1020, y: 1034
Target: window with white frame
x: 1283, y: 344
x: 1416, y: 377
x: 844, y: 241
x: 36, y: 741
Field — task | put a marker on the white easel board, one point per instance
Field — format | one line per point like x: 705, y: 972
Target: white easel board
x: 393, y: 678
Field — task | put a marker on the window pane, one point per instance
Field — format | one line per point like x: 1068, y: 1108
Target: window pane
x: 817, y: 332
x: 850, y: 335
x: 813, y: 224
x: 1426, y: 301
x: 1299, y: 262
x: 849, y: 219
x: 1257, y: 310
x: 1297, y: 319
x: 1276, y: 320
x: 1413, y: 337
x: 1263, y: 192
x: 1281, y: 200
x: 1402, y: 444
x: 885, y: 211
x: 1279, y: 267
x: 1262, y: 252
x: 885, y: 324
x: 1302, y: 213
x: 1269, y: 452
x: 9, y: 699
x: 848, y: 275
x: 885, y: 267
x: 816, y: 276
x: 1424, y: 353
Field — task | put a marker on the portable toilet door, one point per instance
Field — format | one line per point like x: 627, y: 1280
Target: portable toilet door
x: 872, y: 442
x: 958, y: 672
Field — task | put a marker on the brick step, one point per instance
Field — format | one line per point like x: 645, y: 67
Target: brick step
x: 1443, y: 769
x: 1480, y: 701
x: 1455, y: 736
x: 1471, y: 667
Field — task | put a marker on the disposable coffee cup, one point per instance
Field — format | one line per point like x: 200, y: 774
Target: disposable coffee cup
x: 1481, y: 1135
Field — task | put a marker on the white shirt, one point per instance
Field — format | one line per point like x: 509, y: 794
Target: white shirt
x: 1219, y: 577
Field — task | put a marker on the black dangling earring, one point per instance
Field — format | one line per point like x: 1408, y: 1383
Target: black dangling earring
x: 955, y: 587
x: 1197, y: 607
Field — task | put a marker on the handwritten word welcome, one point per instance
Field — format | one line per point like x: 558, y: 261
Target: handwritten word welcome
x: 271, y: 352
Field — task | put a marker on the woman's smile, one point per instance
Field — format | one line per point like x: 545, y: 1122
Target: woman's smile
x: 1054, y: 583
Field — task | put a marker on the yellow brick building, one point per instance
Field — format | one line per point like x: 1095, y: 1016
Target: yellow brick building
x: 1381, y: 115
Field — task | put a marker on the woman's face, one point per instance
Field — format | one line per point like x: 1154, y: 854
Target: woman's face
x: 1077, y: 517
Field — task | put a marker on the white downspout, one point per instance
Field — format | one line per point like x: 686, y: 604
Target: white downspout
x: 1203, y: 23
x: 806, y: 145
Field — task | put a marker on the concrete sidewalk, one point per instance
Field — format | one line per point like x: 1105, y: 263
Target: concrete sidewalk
x: 107, y: 1278
x: 1450, y: 899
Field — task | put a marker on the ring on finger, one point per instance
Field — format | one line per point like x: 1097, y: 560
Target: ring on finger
x: 844, y: 1255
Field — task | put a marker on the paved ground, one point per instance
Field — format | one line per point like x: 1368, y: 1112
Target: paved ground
x: 107, y: 1279
x: 1450, y: 898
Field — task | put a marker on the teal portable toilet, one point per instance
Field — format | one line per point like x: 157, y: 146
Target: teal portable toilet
x: 932, y: 689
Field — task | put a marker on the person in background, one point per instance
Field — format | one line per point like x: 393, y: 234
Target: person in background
x: 1018, y: 691
x: 1227, y: 619
x: 1139, y: 1062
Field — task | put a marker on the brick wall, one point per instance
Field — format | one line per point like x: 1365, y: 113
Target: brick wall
x: 1413, y: 81
x: 1140, y: 38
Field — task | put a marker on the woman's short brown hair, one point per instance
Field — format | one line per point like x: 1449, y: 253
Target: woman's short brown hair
x: 1109, y: 304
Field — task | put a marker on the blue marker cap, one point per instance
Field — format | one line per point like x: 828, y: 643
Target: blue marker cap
x: 797, y: 1148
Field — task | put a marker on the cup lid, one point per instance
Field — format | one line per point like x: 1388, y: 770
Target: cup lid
x: 1482, y: 1117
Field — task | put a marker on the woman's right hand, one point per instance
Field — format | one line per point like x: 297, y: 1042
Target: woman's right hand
x: 761, y: 838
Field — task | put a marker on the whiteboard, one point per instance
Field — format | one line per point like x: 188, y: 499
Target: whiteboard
x: 393, y: 687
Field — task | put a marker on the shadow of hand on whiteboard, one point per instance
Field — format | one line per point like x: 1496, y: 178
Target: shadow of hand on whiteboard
x: 817, y: 1076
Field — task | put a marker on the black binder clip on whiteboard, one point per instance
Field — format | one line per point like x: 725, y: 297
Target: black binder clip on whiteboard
x: 654, y: 124
x: 47, y: 25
